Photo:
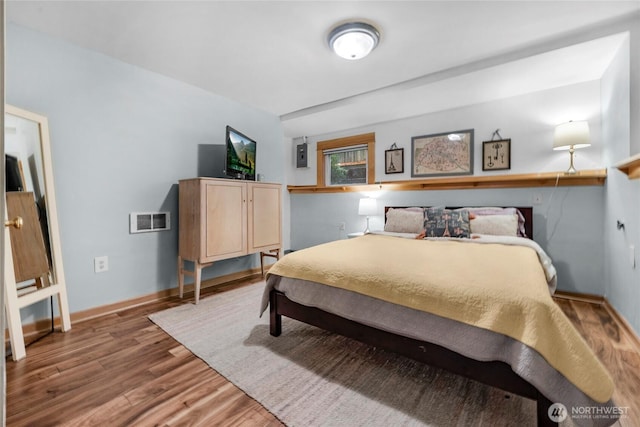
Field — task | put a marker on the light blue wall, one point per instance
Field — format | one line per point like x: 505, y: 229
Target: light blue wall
x: 121, y: 138
x: 568, y: 224
x: 622, y: 196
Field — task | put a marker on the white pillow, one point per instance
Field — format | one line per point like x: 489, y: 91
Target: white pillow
x: 495, y: 225
x: 488, y: 210
x: 409, y: 220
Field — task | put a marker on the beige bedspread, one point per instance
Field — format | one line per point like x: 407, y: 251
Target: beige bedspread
x: 498, y: 287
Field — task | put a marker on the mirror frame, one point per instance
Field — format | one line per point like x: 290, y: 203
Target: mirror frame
x: 13, y: 302
x: 57, y: 272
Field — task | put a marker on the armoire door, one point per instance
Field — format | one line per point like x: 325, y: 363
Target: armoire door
x: 225, y: 220
x: 264, y: 217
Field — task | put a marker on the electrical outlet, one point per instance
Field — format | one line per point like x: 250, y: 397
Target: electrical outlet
x: 100, y: 264
x: 342, y: 226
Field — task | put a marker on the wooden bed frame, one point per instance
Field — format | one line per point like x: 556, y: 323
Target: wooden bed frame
x: 493, y: 373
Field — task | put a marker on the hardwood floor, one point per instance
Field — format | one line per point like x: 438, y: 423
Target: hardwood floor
x: 122, y: 370
x: 614, y: 348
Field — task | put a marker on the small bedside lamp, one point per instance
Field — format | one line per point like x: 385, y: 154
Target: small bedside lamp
x: 570, y: 136
x: 367, y: 207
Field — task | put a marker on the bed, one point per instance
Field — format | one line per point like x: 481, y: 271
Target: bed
x: 450, y: 301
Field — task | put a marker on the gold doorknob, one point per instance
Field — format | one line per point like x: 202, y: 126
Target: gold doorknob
x: 17, y: 222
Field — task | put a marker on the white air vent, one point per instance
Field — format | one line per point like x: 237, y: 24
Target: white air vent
x: 143, y: 222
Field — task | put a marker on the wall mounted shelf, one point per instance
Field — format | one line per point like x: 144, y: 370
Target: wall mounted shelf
x: 631, y: 166
x: 595, y: 177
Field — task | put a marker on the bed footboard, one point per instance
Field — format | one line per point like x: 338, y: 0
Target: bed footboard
x: 492, y: 373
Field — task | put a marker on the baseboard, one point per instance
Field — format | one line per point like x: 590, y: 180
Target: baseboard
x: 590, y: 298
x: 604, y: 302
x: 44, y: 325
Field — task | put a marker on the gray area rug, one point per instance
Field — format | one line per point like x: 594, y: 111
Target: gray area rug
x: 310, y: 377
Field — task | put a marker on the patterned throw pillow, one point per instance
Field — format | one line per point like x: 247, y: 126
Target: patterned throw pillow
x: 446, y: 223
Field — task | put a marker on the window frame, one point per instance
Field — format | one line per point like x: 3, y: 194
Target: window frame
x: 368, y: 139
x: 328, y: 161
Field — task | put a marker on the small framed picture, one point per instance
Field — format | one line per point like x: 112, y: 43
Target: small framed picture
x: 394, y: 161
x: 496, y: 155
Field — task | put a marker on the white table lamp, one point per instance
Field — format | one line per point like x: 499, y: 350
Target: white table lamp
x: 367, y: 207
x: 570, y: 136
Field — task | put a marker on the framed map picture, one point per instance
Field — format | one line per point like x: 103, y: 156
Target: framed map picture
x: 442, y: 154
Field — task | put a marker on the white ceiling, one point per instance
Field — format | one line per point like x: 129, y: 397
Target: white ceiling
x: 273, y: 55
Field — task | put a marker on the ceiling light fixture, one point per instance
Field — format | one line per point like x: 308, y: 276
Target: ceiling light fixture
x: 353, y: 40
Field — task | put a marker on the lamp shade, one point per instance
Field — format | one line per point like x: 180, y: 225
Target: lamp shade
x: 571, y: 135
x: 367, y: 207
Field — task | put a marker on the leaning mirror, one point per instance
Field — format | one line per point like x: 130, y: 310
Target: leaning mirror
x: 33, y: 265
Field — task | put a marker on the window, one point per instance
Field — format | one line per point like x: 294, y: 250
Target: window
x: 346, y: 161
x: 346, y: 166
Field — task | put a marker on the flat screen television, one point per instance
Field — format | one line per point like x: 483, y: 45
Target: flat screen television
x: 240, y: 156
